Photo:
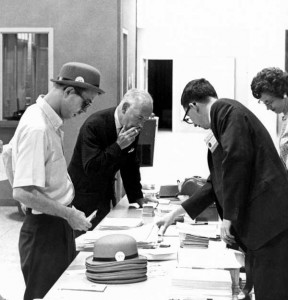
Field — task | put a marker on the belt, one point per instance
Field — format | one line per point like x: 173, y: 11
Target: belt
x: 28, y: 210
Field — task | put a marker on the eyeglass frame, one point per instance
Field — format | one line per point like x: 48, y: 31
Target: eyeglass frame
x: 186, y: 118
x: 85, y: 102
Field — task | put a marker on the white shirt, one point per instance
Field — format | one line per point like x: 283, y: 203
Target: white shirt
x: 283, y: 141
x: 37, y: 153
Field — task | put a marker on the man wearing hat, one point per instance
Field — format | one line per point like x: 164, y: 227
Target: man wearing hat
x: 107, y: 143
x: 41, y: 182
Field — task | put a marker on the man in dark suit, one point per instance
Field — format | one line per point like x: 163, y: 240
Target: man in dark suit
x: 247, y: 181
x: 107, y: 143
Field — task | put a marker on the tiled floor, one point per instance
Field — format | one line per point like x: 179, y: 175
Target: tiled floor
x: 11, y: 280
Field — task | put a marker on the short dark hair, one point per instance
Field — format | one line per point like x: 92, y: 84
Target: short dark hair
x: 197, y: 90
x: 273, y: 81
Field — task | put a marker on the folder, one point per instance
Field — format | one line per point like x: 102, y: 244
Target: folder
x: 167, y: 191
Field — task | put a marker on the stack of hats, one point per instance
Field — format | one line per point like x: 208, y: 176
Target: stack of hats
x: 115, y: 260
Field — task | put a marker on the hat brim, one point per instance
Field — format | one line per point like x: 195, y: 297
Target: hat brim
x: 79, y: 84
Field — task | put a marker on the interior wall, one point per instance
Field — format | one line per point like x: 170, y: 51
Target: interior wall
x: 129, y: 19
x: 87, y: 31
x: 84, y: 31
x: 252, y: 33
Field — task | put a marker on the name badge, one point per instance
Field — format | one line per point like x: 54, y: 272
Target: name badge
x: 211, y: 141
x: 131, y: 150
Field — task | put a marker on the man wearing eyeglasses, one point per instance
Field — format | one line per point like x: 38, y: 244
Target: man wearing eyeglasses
x: 41, y: 181
x: 107, y: 143
x: 248, y: 182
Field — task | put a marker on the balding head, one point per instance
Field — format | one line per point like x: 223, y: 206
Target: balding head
x: 135, y: 108
x: 138, y: 98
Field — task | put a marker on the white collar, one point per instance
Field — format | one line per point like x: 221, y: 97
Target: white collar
x: 117, y: 122
x: 52, y: 116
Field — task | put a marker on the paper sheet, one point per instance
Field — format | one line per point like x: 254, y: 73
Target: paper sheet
x: 210, y: 231
x: 210, y: 258
x: 120, y: 223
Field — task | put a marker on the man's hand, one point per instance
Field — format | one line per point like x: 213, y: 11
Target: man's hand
x: 168, y: 219
x: 165, y: 222
x: 126, y: 138
x: 226, y: 236
x: 77, y: 220
x: 141, y: 201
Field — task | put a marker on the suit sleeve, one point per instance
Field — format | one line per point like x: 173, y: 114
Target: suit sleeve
x: 200, y: 200
x: 95, y: 157
x: 130, y: 174
x: 232, y: 129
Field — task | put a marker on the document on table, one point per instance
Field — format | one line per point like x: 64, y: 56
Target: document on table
x: 210, y: 258
x: 200, y: 284
x: 169, y: 253
x: 120, y: 223
x: 209, y: 231
x: 93, y: 288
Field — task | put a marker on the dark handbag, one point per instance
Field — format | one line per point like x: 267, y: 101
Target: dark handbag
x: 191, y: 185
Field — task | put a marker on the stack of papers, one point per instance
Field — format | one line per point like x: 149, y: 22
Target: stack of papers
x: 188, y: 240
x: 158, y: 253
x: 166, y: 208
x: 148, y: 209
x: 196, y: 236
x: 211, y: 231
x: 120, y: 223
x: 200, y: 284
x: 164, y: 201
x: 211, y: 258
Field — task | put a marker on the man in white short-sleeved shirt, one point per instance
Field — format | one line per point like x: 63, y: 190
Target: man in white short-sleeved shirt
x: 38, y: 155
x: 41, y: 182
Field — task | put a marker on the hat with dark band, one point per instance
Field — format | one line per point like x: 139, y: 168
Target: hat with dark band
x: 115, y: 249
x: 79, y: 75
x: 116, y: 261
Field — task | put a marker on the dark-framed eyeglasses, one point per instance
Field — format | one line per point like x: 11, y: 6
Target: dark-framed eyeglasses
x: 186, y: 118
x: 85, y: 102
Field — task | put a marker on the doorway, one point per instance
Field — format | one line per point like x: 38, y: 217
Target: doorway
x: 159, y: 81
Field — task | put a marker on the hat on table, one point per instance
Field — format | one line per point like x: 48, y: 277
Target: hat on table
x: 79, y: 75
x: 115, y: 260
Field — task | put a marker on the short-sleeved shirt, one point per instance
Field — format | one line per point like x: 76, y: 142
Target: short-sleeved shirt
x: 38, y: 158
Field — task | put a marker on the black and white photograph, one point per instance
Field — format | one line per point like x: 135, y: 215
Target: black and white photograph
x: 143, y: 149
